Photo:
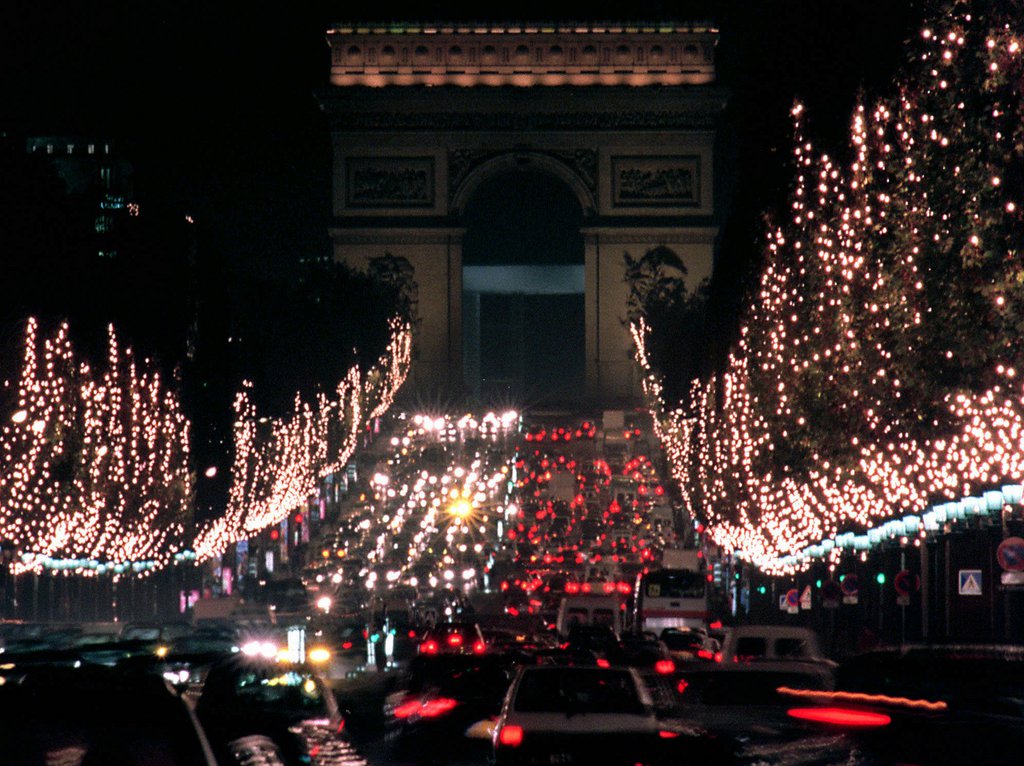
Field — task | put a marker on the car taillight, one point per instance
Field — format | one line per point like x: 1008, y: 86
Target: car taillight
x: 665, y: 667
x: 624, y: 588
x: 437, y: 707
x: 455, y: 640
x: 603, y: 663
x: 412, y: 634
x: 839, y: 716
x: 705, y: 654
x: 572, y: 587
x: 608, y: 587
x: 428, y: 647
x: 511, y: 736
x: 347, y: 645
x: 668, y: 734
x: 479, y: 647
x: 681, y: 686
x: 718, y: 656
x: 407, y: 709
x: 585, y: 587
x: 429, y: 708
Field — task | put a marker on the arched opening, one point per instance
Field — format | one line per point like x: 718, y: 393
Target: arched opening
x: 523, y: 290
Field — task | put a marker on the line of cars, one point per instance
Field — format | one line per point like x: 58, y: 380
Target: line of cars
x: 598, y: 698
x: 212, y: 697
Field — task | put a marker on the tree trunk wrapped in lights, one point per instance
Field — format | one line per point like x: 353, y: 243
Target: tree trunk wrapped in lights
x: 877, y: 369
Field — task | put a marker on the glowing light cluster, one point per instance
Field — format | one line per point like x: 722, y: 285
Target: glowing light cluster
x: 95, y: 473
x: 876, y: 371
x: 435, y: 505
x: 279, y: 462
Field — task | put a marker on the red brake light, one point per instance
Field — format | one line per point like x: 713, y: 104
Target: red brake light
x: 705, y: 654
x: 412, y: 634
x: 407, y: 709
x: 603, y: 663
x: 428, y: 647
x: 454, y: 640
x: 572, y: 587
x: 585, y: 587
x: 840, y: 716
x: 608, y: 587
x: 624, y: 588
x: 716, y: 625
x: 718, y: 656
x: 436, y: 707
x: 681, y: 686
x: 665, y: 667
x: 479, y: 647
x: 511, y: 736
x: 425, y: 708
x: 668, y: 734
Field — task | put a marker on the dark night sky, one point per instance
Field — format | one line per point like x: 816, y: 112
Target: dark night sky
x: 214, y: 100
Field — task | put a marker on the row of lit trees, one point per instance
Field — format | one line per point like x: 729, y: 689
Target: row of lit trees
x: 877, y: 363
x: 96, y: 471
x: 279, y: 462
x: 95, y: 461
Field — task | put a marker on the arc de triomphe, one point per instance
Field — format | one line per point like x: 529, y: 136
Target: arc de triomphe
x: 624, y: 116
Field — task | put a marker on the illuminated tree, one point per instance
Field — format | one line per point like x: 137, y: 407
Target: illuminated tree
x: 657, y: 292
x: 279, y: 462
x: 95, y: 462
x: 877, y: 362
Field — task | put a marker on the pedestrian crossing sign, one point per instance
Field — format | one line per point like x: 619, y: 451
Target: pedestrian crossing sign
x: 970, y: 582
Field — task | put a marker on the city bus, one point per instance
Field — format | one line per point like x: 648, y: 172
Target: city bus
x: 671, y: 598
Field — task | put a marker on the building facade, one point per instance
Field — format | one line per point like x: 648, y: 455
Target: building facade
x: 426, y: 119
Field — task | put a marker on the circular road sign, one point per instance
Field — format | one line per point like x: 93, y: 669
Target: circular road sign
x: 849, y: 585
x: 793, y: 597
x: 1010, y: 554
x: 906, y: 583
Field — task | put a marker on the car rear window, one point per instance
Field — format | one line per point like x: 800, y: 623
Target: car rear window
x: 751, y: 647
x: 578, y: 691
x: 790, y: 647
x: 681, y: 642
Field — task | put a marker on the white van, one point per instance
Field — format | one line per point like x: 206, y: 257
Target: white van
x: 772, y: 643
x: 589, y: 610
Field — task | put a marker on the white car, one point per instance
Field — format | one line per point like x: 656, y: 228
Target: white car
x: 586, y: 715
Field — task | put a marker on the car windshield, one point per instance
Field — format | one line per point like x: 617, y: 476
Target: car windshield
x: 578, y: 691
x: 285, y: 690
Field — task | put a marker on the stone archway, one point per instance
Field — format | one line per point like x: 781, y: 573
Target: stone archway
x: 524, y: 335
x: 422, y: 118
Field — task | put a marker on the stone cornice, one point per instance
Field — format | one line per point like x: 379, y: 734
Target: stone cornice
x: 391, y: 236
x: 508, y: 109
x: 613, y: 235
x: 522, y: 55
